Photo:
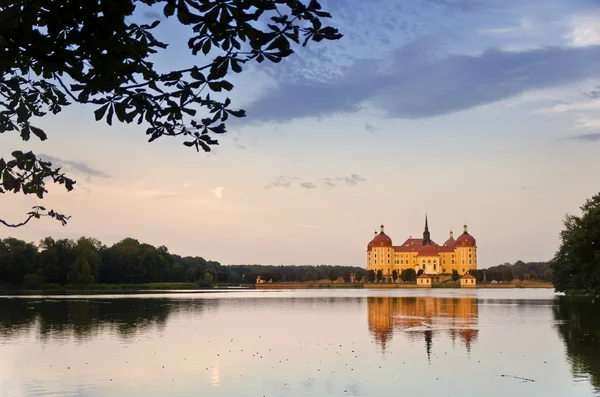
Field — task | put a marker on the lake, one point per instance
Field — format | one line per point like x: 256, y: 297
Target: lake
x: 517, y: 342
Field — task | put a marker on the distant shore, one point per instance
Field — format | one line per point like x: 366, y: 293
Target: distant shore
x: 116, y: 288
x: 194, y: 288
x: 391, y: 286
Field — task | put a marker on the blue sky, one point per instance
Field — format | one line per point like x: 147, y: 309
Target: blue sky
x: 480, y: 111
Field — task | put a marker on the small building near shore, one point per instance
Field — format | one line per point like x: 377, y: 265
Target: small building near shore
x: 468, y: 281
x: 424, y: 281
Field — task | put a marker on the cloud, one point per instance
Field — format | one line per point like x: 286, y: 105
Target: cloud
x: 593, y: 137
x: 74, y: 166
x: 308, y: 185
x: 571, y: 107
x: 370, y: 128
x: 188, y: 185
x: 218, y: 192
x: 282, y: 181
x: 587, y: 123
x: 593, y: 94
x: 414, y: 86
x: 350, y: 180
x: 585, y: 31
x: 287, y: 181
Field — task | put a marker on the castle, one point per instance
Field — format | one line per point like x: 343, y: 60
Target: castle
x: 422, y: 254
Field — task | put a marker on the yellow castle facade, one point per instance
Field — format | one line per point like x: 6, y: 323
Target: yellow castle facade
x: 422, y: 254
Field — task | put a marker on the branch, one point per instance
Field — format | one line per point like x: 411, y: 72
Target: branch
x: 35, y: 213
x: 66, y: 89
x: 17, y: 224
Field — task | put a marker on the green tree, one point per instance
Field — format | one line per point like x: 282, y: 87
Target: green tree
x: 91, y: 52
x: 358, y: 275
x: 80, y: 272
x: 576, y: 264
x: 394, y: 275
x: 498, y: 276
x: 455, y: 275
x: 408, y: 275
x: 332, y: 275
x: 346, y: 277
x: 89, y: 250
x: 521, y: 275
x: 533, y: 276
x: 17, y: 258
x: 308, y: 277
x: 370, y: 275
x: 208, y: 277
x: 292, y: 276
x: 478, y: 274
x: 379, y: 275
x: 421, y: 271
x: 318, y: 276
x: 56, y: 257
x: 489, y: 276
x: 548, y: 276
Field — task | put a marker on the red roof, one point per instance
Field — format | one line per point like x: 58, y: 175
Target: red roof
x: 411, y: 245
x: 468, y: 275
x: 445, y: 248
x: 425, y: 276
x: 465, y: 240
x: 450, y: 243
x: 428, y: 250
x: 381, y: 240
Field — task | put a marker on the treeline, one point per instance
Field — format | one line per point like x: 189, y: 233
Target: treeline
x: 576, y: 264
x: 88, y: 261
x: 507, y: 272
x: 534, y: 271
x: 292, y: 273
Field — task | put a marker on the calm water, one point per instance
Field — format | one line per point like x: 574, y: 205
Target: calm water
x: 301, y: 343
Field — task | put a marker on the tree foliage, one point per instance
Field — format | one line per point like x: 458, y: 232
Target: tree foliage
x: 87, y: 261
x: 346, y: 276
x: 54, y: 54
x: 370, y: 275
x: 455, y: 275
x: 520, y: 270
x: 408, y: 275
x: 358, y: 275
x: 576, y: 264
x: 379, y: 275
x: 332, y: 275
x: 394, y: 275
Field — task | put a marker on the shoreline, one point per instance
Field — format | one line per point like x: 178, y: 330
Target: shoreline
x: 267, y: 286
x: 188, y: 288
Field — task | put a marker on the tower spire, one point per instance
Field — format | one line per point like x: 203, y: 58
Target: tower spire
x: 426, y: 235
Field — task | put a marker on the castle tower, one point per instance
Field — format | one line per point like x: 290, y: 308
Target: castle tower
x: 426, y: 235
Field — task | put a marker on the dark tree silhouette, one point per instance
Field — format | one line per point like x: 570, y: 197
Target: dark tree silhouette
x: 54, y: 54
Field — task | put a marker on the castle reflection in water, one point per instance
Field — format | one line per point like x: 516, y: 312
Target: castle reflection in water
x: 423, y: 318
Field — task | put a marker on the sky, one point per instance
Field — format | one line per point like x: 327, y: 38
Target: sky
x: 472, y: 111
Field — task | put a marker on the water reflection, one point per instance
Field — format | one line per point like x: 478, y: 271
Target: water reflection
x: 85, y: 319
x: 422, y: 318
x: 578, y: 323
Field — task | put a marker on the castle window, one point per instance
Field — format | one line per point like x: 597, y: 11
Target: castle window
x: 469, y: 261
x: 434, y: 266
x: 453, y: 261
x: 463, y: 270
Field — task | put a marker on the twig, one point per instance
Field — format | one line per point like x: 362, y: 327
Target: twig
x: 517, y: 377
x: 17, y: 224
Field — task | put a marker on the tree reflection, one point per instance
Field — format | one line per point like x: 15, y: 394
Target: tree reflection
x: 422, y: 318
x: 578, y: 323
x: 85, y: 318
